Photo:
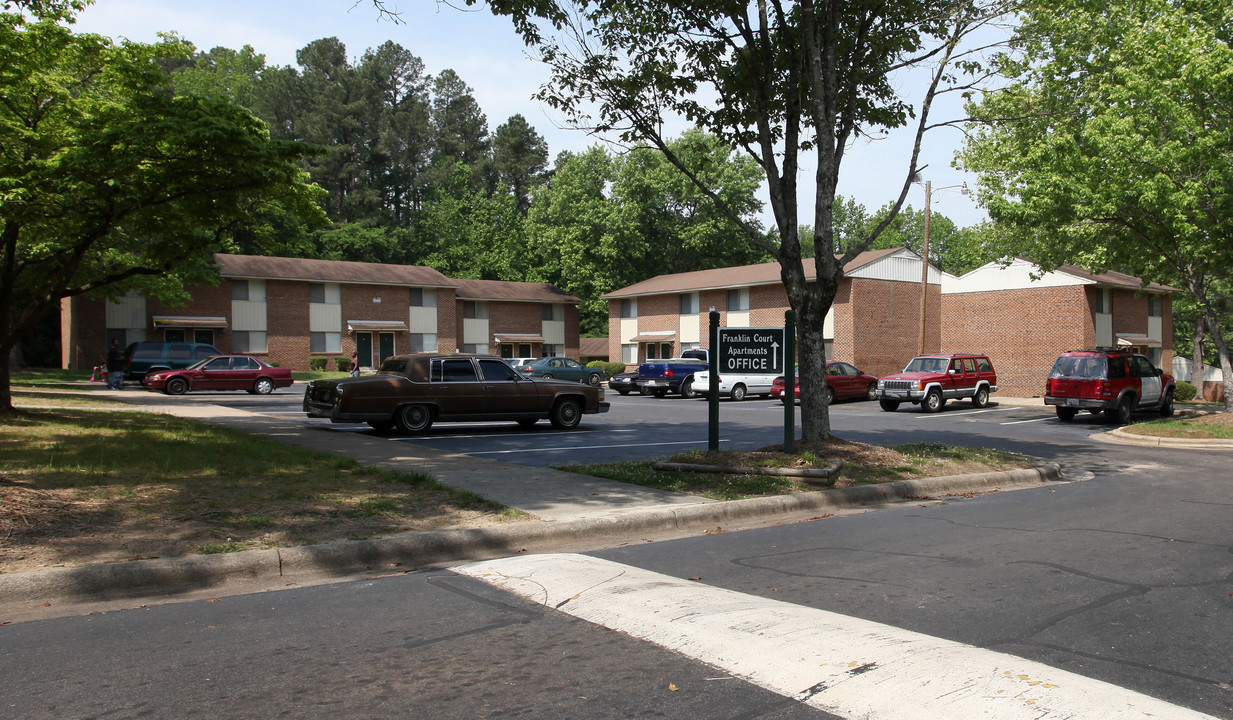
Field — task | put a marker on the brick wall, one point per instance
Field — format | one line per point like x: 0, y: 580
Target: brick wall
x: 449, y: 310
x: 880, y: 324
x: 83, y: 333
x: 1022, y: 331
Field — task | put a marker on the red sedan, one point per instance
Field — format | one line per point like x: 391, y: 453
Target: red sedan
x: 843, y: 381
x: 221, y: 372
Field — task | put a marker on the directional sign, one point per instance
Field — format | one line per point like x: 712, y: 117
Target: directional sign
x: 751, y: 351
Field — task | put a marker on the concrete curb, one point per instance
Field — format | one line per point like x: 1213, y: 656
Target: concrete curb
x: 202, y: 572
x: 1121, y: 437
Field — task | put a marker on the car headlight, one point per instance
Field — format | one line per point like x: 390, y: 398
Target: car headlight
x: 156, y: 377
x: 881, y: 383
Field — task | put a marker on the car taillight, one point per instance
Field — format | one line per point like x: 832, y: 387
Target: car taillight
x: 1106, y: 388
x: 668, y: 373
x: 527, y: 369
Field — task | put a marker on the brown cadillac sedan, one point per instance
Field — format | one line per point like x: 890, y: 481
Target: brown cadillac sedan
x: 414, y: 391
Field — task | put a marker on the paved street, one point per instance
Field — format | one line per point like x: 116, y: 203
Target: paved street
x: 1124, y: 578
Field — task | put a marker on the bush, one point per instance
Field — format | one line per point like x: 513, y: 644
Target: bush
x: 342, y: 363
x: 609, y: 368
x: 317, y: 363
x: 1184, y: 391
x: 272, y: 363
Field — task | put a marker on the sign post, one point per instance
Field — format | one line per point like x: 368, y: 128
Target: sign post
x: 712, y: 414
x: 789, y: 380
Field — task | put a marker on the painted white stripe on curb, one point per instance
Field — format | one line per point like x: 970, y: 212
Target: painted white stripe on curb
x: 846, y: 666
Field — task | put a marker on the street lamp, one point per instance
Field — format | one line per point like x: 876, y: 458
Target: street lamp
x: 924, y: 271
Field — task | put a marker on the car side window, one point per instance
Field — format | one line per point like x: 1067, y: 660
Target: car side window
x: 180, y: 352
x: 983, y: 365
x: 1117, y: 368
x: 956, y: 365
x: 457, y: 370
x: 969, y: 365
x: 219, y: 364
x: 834, y: 370
x: 245, y: 363
x: 496, y: 370
x: 1142, y: 367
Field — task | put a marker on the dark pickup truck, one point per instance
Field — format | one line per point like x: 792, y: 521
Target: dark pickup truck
x: 661, y: 377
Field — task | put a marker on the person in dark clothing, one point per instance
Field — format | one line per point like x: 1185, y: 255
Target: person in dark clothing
x: 115, y: 366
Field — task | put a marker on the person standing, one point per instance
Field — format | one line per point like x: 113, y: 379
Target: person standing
x: 355, y: 364
x: 115, y: 366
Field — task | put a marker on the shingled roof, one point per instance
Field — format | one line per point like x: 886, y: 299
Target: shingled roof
x: 512, y: 291
x: 339, y: 271
x: 732, y: 277
x: 1114, y: 279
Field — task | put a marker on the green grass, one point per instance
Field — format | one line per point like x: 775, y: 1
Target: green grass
x: 1201, y: 428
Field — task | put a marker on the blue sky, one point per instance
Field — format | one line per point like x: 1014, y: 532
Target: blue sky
x: 490, y: 58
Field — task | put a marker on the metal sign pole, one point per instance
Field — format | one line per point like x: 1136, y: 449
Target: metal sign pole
x: 789, y: 379
x: 712, y: 435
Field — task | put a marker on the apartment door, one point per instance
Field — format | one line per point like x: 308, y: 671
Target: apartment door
x: 363, y: 349
x: 386, y: 342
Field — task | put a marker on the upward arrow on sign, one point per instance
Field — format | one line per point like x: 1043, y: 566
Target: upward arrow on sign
x: 775, y: 353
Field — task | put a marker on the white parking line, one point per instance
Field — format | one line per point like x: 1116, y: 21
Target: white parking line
x: 846, y: 666
x: 587, y: 447
x: 961, y: 414
x: 1020, y: 422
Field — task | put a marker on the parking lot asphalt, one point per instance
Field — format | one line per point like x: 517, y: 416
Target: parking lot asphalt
x: 571, y: 512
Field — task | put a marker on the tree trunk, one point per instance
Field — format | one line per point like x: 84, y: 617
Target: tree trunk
x: 1196, y: 358
x: 1213, y: 329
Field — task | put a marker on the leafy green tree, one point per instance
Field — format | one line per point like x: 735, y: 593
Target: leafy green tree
x: 466, y: 233
x: 109, y: 180
x: 1112, y: 146
x: 773, y: 78
x: 460, y: 129
x: 520, y: 157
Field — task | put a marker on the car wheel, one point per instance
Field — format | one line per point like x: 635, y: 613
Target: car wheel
x: 871, y: 392
x: 661, y: 392
x: 528, y: 422
x: 738, y: 392
x: 687, y: 388
x: 1121, y: 414
x: 593, y: 380
x: 1166, y: 408
x: 263, y: 386
x: 176, y: 386
x: 566, y: 414
x: 644, y: 391
x: 981, y: 398
x: 828, y: 395
x: 933, y: 401
x: 623, y: 391
x: 413, y: 419
x: 1066, y: 414
x: 547, y: 376
x: 889, y: 405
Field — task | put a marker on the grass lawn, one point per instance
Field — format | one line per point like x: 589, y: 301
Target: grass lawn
x: 83, y: 486
x: 1213, y: 425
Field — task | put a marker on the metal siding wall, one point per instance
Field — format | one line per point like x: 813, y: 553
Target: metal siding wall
x: 127, y: 313
x: 422, y: 319
x: 248, y: 315
x: 554, y: 332
x: 475, y: 331
x: 324, y: 317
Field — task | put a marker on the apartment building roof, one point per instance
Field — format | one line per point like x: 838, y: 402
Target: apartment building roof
x: 334, y: 271
x: 497, y: 290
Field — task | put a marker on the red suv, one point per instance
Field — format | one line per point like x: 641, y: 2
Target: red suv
x: 1115, y: 381
x: 931, y: 380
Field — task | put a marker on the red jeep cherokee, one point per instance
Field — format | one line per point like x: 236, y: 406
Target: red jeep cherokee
x: 1115, y: 381
x: 931, y: 380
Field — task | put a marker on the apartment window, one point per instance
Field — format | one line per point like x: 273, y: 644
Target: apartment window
x: 689, y: 303
x: 316, y: 292
x: 1103, y: 303
x: 239, y: 289
x: 738, y: 300
x: 247, y: 341
x: 554, y: 313
x: 175, y: 335
x: 324, y: 342
x: 205, y: 337
x: 629, y: 353
x: 551, y: 350
x: 475, y: 348
x: 1155, y: 305
x: 423, y: 297
x: 422, y: 342
x: 629, y: 308
x: 474, y: 310
x: 248, y: 290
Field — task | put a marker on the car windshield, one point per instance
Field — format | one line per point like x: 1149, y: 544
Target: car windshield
x: 1079, y: 367
x: 927, y: 364
x: 198, y: 364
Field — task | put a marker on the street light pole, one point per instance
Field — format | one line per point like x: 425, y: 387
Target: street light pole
x: 924, y: 271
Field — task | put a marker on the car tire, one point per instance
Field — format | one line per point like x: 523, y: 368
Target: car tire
x: 1166, y: 407
x: 660, y: 392
x: 933, y: 401
x: 176, y: 386
x: 566, y: 414
x: 981, y: 398
x: 738, y: 392
x: 889, y: 405
x: 871, y: 392
x: 1122, y: 413
x: 644, y: 391
x: 687, y: 388
x: 546, y: 376
x: 413, y: 419
x: 593, y: 380
x: 623, y: 391
x: 528, y: 422
x: 828, y: 395
x: 1066, y: 414
x: 263, y: 386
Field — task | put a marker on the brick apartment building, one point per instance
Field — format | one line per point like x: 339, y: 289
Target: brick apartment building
x: 288, y: 310
x: 1021, y: 322
x: 879, y: 296
x: 1023, y: 318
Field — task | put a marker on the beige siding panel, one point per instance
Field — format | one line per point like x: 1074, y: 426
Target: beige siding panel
x: 127, y: 312
x: 738, y: 318
x: 324, y: 317
x: 1155, y: 328
x: 629, y: 328
x: 691, y: 329
x: 248, y: 315
x: 828, y: 326
x: 475, y: 331
x: 903, y: 266
x: 554, y: 332
x: 423, y: 319
x: 1104, y: 329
